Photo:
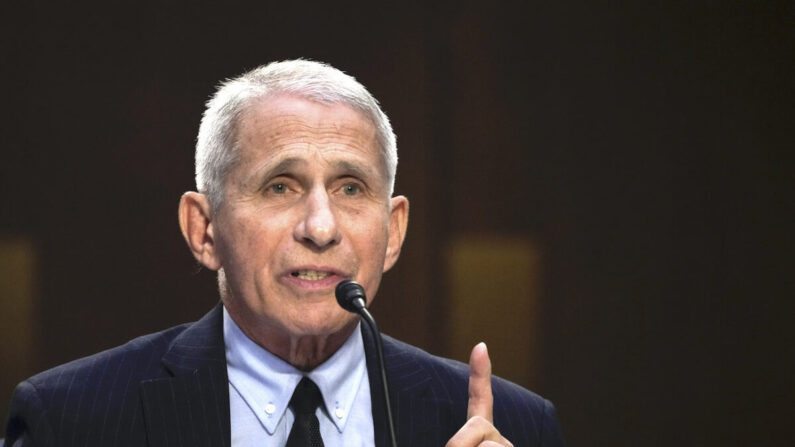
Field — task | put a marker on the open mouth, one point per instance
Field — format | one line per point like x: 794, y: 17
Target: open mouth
x: 310, y: 275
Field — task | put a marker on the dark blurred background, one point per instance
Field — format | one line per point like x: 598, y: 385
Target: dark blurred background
x: 603, y: 191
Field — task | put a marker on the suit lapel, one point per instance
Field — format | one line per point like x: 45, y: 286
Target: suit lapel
x: 191, y: 407
x: 421, y: 417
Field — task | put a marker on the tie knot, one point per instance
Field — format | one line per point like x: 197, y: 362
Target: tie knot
x: 306, y: 397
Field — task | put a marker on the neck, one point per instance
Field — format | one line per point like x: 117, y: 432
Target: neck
x: 307, y: 352
x: 304, y: 352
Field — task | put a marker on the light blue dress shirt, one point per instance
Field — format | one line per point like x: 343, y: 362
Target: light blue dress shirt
x: 261, y: 384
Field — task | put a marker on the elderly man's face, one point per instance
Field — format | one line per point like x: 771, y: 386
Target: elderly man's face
x: 307, y: 206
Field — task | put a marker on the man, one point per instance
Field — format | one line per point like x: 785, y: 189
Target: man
x: 295, y: 166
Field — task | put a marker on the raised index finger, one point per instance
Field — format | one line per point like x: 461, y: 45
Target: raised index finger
x: 481, y: 402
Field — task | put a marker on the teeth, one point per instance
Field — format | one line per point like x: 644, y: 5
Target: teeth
x: 310, y: 275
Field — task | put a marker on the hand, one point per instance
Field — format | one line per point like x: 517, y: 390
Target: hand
x: 479, y: 429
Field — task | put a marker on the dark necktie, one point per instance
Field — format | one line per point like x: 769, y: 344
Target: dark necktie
x: 306, y: 428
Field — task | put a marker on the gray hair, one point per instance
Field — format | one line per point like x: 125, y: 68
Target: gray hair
x: 216, y: 146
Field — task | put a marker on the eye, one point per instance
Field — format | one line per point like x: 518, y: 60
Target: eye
x: 278, y: 188
x: 351, y: 189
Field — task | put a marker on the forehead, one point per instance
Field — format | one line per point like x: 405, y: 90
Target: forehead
x: 274, y: 124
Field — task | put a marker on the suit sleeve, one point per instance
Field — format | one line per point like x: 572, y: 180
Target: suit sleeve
x: 551, y: 435
x: 27, y: 423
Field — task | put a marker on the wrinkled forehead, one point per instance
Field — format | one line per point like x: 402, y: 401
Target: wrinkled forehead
x: 274, y: 116
x: 278, y: 127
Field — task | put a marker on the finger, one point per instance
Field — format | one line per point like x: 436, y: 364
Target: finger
x: 502, y: 443
x: 506, y: 443
x: 478, y: 432
x: 481, y: 401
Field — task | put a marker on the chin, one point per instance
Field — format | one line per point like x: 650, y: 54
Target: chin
x: 323, y: 324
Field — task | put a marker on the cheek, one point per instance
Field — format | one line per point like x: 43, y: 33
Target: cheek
x: 239, y: 243
x: 369, y: 240
x: 371, y: 251
x: 256, y: 230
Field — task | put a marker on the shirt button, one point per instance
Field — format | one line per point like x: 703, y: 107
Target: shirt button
x: 270, y: 408
x: 339, y: 413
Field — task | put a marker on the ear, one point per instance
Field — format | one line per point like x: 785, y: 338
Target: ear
x: 197, y: 228
x: 398, y: 220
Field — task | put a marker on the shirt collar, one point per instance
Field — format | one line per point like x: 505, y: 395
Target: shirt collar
x: 266, y: 382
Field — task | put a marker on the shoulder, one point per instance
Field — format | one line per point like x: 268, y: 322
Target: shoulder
x: 453, y: 372
x: 98, y: 389
x: 520, y: 414
x: 139, y: 356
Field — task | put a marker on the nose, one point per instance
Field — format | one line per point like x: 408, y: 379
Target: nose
x: 318, y: 227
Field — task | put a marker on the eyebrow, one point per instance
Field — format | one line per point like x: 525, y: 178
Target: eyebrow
x: 285, y: 165
x: 344, y: 166
x: 269, y: 171
x: 355, y: 169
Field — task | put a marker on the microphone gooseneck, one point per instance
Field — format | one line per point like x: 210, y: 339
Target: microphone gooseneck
x: 351, y: 297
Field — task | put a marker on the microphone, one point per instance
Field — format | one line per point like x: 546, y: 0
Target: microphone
x: 351, y: 297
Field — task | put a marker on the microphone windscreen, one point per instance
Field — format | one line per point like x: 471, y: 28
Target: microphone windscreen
x: 347, y: 292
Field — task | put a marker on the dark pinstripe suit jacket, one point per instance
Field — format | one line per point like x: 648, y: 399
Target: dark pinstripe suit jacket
x: 171, y: 388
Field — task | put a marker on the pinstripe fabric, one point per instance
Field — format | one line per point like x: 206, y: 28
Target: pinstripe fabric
x: 429, y: 397
x: 168, y: 388
x: 171, y: 389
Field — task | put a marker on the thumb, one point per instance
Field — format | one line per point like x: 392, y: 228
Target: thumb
x: 481, y: 401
